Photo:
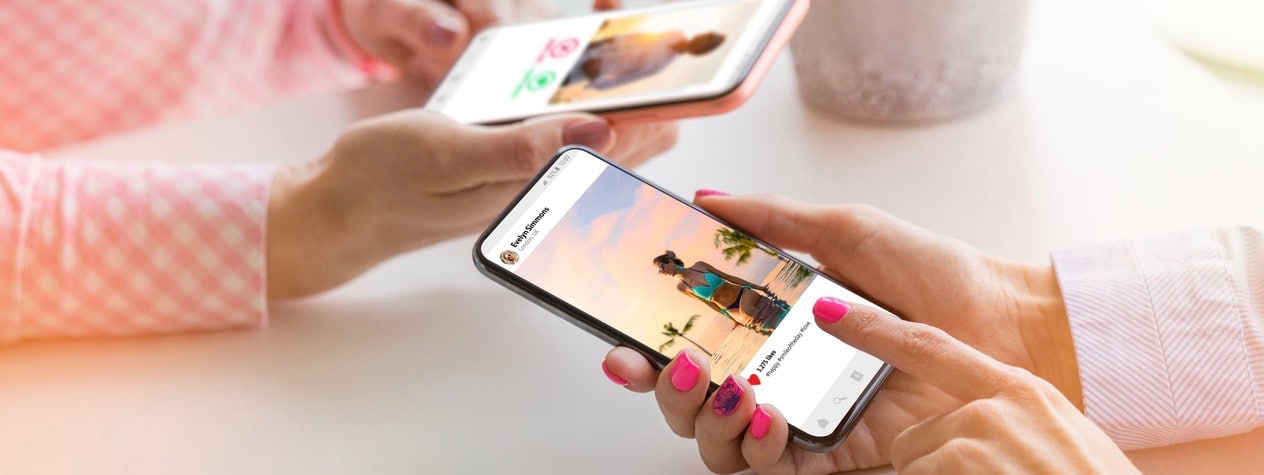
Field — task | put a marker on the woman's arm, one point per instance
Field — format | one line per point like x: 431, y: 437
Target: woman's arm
x: 90, y: 248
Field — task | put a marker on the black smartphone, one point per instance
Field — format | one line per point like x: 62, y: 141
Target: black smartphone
x: 637, y: 266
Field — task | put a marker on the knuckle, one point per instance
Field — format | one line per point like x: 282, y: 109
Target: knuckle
x: 1022, y: 385
x: 984, y: 412
x: 964, y: 448
x: 866, y: 326
x: 852, y: 225
x: 922, y: 341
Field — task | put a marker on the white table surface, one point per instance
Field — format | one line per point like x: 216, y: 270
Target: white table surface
x: 423, y: 366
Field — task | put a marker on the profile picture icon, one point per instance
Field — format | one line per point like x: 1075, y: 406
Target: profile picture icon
x: 509, y: 257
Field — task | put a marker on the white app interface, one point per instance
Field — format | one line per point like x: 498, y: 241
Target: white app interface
x: 588, y: 63
x: 673, y: 278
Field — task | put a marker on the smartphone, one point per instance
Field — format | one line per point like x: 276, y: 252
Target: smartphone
x: 666, y: 62
x: 637, y: 266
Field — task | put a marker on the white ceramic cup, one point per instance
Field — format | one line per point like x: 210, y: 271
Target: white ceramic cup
x: 908, y: 60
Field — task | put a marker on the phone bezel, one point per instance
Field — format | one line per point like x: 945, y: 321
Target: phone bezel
x: 629, y: 112
x: 612, y: 335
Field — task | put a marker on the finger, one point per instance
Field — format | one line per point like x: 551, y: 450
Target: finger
x: 602, y: 5
x: 924, y: 352
x: 722, y: 423
x: 516, y: 152
x: 765, y: 445
x: 681, y: 390
x: 430, y: 28
x: 484, y: 13
x: 917, y: 441
x: 631, y: 367
x: 637, y: 144
x: 864, y: 246
x: 958, y: 455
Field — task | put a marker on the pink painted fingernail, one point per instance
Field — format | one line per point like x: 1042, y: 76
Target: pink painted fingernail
x: 707, y: 192
x: 443, y: 32
x: 685, y: 374
x: 830, y: 309
x: 614, y: 378
x: 760, y: 422
x: 727, y: 397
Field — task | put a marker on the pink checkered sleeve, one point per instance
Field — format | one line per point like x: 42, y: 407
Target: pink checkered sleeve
x: 89, y: 248
x: 75, y: 70
x: 1169, y: 334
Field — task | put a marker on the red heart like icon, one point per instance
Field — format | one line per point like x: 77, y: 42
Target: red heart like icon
x: 753, y: 379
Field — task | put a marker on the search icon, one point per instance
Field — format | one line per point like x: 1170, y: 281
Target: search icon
x: 839, y: 400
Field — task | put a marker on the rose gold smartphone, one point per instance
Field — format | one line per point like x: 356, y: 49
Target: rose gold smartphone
x: 639, y: 267
x: 667, y: 62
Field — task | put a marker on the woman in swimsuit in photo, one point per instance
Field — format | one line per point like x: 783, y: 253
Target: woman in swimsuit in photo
x: 745, y: 303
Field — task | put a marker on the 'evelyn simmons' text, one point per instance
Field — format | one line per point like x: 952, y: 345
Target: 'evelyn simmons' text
x: 529, y: 227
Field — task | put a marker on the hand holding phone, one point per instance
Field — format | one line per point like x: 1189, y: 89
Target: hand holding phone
x: 652, y: 64
x: 1010, y: 310
x: 639, y: 267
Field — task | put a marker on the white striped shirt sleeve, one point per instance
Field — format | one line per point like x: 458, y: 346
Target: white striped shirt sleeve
x: 1169, y: 334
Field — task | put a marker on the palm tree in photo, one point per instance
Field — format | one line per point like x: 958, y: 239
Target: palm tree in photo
x: 671, y: 331
x: 734, y: 244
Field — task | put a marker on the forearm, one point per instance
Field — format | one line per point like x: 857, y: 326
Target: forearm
x: 122, y: 248
x: 1234, y: 454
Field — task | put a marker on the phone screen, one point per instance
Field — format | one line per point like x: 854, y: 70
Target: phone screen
x: 667, y: 276
x: 607, y: 61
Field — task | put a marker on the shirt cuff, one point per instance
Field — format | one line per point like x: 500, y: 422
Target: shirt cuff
x: 1168, y: 335
x: 126, y: 249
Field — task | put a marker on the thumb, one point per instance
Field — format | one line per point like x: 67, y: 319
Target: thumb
x: 518, y: 151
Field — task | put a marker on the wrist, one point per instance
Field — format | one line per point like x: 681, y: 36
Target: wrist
x: 1046, y: 331
x: 309, y: 241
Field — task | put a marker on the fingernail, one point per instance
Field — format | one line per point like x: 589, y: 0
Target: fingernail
x: 727, y: 397
x: 830, y: 309
x: 760, y: 422
x: 706, y: 192
x: 595, y: 134
x: 685, y: 374
x: 614, y: 378
x: 442, y: 33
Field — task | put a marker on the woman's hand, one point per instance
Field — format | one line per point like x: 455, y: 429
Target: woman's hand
x: 424, y: 37
x: 1010, y: 420
x: 1010, y: 311
x: 410, y: 179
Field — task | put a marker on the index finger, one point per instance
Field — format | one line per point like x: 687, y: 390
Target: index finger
x: 484, y: 13
x: 925, y: 352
